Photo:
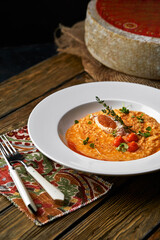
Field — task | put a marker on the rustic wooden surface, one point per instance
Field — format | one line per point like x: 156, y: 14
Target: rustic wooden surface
x: 131, y: 210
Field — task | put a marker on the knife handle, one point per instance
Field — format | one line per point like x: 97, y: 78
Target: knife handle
x: 53, y: 191
x: 23, y: 191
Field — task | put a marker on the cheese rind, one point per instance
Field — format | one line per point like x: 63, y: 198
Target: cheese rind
x: 122, y: 51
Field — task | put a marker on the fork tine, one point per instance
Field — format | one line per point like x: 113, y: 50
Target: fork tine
x: 15, y: 176
x: 9, y: 143
x: 4, y: 154
x: 9, y: 146
x: 3, y: 148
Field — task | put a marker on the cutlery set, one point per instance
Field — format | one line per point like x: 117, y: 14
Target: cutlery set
x: 11, y: 156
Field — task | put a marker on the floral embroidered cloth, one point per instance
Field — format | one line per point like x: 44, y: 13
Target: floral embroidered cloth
x: 78, y: 187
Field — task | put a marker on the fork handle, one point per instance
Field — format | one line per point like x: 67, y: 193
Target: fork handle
x: 23, y: 191
x: 53, y: 191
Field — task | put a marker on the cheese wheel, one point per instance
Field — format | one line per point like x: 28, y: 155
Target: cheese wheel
x: 125, y: 35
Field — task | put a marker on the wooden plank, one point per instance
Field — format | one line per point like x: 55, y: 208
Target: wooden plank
x: 19, y: 117
x: 15, y: 225
x: 35, y: 81
x: 4, y: 203
x: 129, y: 214
x: 155, y: 235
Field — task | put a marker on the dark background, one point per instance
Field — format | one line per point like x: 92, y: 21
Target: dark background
x: 26, y: 30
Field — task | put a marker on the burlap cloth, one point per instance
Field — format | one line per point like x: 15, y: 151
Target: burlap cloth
x: 71, y: 40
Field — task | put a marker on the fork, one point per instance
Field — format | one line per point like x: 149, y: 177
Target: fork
x: 14, y: 156
x: 18, y: 182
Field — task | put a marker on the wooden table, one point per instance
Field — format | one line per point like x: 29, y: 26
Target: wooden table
x: 131, y: 209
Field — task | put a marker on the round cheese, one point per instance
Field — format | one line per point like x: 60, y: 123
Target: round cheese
x: 125, y: 35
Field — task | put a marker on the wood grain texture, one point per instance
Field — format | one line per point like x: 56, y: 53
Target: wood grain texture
x: 19, y: 117
x: 131, y: 210
x: 35, y: 81
x: 20, y: 227
x: 156, y: 235
x: 4, y: 203
x: 129, y: 214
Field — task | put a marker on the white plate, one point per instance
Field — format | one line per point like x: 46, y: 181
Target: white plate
x: 51, y: 118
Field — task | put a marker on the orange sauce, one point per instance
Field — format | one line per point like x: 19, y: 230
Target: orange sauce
x: 100, y: 145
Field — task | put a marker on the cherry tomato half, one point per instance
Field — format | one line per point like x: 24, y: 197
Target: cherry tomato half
x: 132, y: 146
x: 132, y: 137
x: 118, y: 140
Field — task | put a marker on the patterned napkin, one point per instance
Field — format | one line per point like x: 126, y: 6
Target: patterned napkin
x: 78, y: 187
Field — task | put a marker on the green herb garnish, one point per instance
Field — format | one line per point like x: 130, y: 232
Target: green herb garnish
x: 92, y: 145
x: 104, y: 111
x: 145, y: 134
x: 122, y: 147
x: 114, y: 133
x: 140, y: 119
x: 89, y: 122
x: 148, y: 129
x: 76, y: 121
x: 124, y: 110
x: 109, y: 110
x: 86, y: 141
x: 100, y: 101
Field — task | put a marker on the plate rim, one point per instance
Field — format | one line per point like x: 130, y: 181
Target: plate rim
x: 123, y: 163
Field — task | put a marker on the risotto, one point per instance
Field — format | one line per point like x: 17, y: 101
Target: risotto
x: 115, y: 135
